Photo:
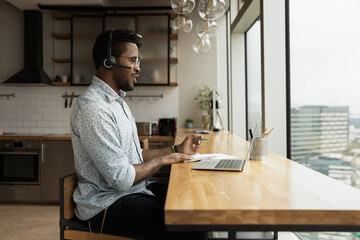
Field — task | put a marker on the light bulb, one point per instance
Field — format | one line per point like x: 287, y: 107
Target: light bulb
x: 201, y: 45
x: 183, y: 6
x: 206, y: 28
x: 182, y: 24
x: 211, y: 9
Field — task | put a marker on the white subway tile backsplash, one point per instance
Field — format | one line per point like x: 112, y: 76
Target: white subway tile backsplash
x: 66, y: 124
x: 30, y: 110
x: 30, y: 124
x: 56, y: 124
x: 23, y: 130
x: 50, y: 116
x: 63, y: 130
x: 29, y: 96
x: 36, y: 103
x: 57, y: 110
x: 9, y: 130
x: 43, y: 124
x: 50, y: 131
x: 43, y: 96
x: 37, y: 130
x: 4, y: 124
x: 16, y: 124
x: 36, y: 117
x: 23, y: 117
x: 17, y: 110
x: 22, y: 103
x: 41, y: 110
x: 9, y: 116
x: 50, y: 103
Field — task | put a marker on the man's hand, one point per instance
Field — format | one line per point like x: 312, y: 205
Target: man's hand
x: 190, y: 145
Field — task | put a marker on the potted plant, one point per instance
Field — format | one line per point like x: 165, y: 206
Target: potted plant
x: 189, y: 122
x: 204, y: 105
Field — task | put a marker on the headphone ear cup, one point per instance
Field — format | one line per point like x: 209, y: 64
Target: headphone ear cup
x: 108, y: 63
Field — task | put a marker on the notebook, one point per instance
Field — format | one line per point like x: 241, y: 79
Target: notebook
x: 223, y: 163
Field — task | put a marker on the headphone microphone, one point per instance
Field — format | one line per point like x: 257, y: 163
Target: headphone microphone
x: 110, y: 61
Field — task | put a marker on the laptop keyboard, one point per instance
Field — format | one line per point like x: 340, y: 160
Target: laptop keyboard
x: 230, y: 163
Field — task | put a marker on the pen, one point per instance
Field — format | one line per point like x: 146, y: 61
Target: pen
x: 263, y: 135
x: 203, y: 139
x: 268, y: 133
x: 250, y: 133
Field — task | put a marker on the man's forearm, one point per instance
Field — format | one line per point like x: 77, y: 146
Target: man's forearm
x: 152, y: 153
x: 146, y: 169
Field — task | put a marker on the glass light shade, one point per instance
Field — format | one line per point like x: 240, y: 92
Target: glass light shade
x: 211, y: 9
x: 202, y: 45
x: 182, y: 24
x: 183, y: 6
x: 206, y: 29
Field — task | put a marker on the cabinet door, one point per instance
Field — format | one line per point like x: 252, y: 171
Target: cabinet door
x: 84, y: 32
x: 154, y: 53
x: 58, y: 160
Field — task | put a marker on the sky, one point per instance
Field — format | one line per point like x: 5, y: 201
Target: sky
x: 325, y: 53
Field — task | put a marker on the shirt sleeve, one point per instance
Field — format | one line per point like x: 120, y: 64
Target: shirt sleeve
x: 99, y: 138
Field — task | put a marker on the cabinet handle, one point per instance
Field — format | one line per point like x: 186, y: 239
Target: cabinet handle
x: 42, y: 152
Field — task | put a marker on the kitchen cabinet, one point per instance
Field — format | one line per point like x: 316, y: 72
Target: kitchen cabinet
x: 57, y: 161
x: 158, y: 41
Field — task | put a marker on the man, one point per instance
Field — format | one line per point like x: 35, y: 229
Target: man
x: 113, y: 194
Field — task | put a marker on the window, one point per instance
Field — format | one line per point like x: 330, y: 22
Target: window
x: 325, y: 104
x: 253, y: 77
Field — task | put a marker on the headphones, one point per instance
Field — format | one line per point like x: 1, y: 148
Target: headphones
x: 109, y: 62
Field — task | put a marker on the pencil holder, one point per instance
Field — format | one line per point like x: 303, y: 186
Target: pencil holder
x: 258, y: 149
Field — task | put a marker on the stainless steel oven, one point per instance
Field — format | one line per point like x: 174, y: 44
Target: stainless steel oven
x: 20, y: 162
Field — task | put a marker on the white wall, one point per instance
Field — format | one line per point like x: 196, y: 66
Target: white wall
x: 29, y: 111
x: 194, y: 71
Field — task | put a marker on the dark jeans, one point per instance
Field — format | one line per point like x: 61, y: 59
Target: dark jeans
x: 141, y: 216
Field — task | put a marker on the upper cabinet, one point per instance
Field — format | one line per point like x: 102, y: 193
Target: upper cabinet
x: 154, y: 53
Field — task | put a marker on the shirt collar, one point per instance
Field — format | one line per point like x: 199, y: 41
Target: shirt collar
x: 107, y: 90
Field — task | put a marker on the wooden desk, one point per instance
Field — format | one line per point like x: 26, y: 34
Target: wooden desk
x: 273, y: 195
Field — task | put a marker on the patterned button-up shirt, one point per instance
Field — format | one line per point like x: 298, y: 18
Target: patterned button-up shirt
x: 106, y: 145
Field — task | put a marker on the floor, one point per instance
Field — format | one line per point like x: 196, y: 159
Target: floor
x: 19, y: 222
x: 41, y: 222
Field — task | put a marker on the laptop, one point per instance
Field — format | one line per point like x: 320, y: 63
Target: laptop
x: 224, y: 164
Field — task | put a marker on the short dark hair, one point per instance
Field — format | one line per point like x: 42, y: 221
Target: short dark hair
x: 118, y: 44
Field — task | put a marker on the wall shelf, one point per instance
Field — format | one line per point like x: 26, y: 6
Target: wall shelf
x: 173, y: 60
x: 61, y: 36
x: 173, y: 36
x: 60, y: 84
x: 61, y: 16
x: 61, y: 60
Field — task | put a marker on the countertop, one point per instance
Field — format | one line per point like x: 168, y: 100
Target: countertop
x: 67, y: 137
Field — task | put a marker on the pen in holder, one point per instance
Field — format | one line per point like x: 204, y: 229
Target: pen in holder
x: 258, y: 149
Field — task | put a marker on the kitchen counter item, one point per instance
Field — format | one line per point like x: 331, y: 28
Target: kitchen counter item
x: 167, y: 126
x: 144, y: 128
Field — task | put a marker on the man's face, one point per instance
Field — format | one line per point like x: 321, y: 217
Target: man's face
x: 126, y: 78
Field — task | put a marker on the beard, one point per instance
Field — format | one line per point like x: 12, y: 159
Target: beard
x: 124, y: 81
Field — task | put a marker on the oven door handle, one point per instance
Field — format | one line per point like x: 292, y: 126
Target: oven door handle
x: 20, y: 153
x: 42, y: 152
